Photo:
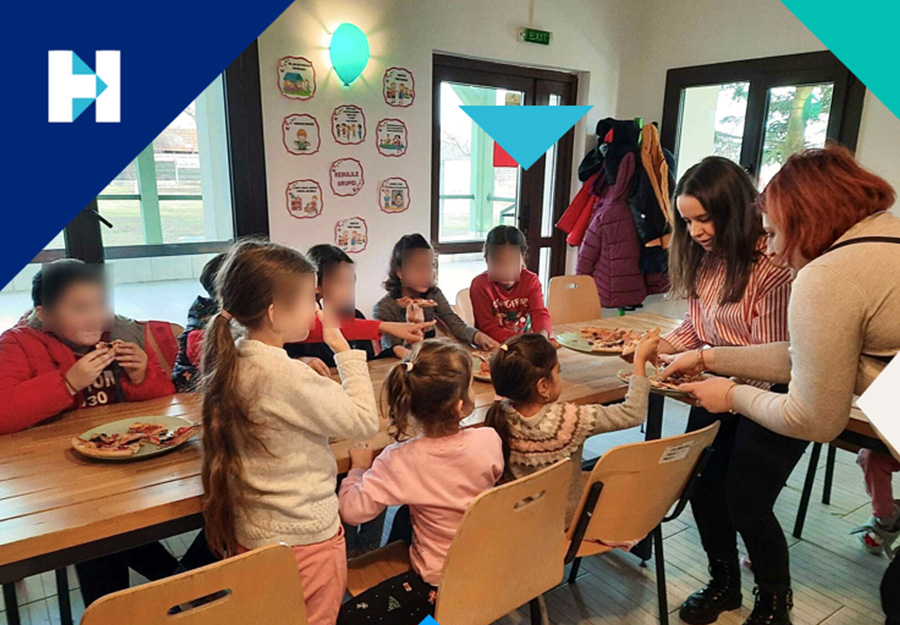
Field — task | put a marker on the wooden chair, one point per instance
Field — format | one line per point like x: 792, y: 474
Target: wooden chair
x: 505, y: 554
x: 573, y: 298
x: 628, y: 494
x: 162, y: 338
x: 260, y: 586
x: 464, y: 307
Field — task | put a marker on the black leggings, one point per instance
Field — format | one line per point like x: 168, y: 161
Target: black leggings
x: 107, y: 574
x: 402, y: 600
x: 747, y: 470
x: 890, y: 592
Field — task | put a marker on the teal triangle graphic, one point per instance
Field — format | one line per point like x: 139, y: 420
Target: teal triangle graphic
x: 525, y: 132
x: 864, y: 39
x: 79, y: 66
x: 101, y: 86
x: 428, y: 620
x: 78, y: 106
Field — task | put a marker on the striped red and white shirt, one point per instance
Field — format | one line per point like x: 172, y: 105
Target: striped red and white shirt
x: 760, y: 316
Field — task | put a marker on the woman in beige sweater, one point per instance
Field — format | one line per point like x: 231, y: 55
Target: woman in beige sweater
x: 827, y: 219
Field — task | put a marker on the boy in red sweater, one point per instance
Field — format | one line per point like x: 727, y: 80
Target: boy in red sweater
x: 507, y: 298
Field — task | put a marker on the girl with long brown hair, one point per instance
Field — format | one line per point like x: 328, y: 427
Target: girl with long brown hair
x: 437, y: 471
x: 268, y: 473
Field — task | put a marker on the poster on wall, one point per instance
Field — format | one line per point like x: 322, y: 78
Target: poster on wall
x: 399, y: 86
x: 296, y: 77
x: 346, y: 177
x: 351, y: 235
x: 348, y: 124
x: 393, y: 195
x: 304, y: 199
x: 391, y: 137
x: 300, y: 134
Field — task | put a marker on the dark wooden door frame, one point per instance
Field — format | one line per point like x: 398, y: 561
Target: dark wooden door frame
x: 536, y: 85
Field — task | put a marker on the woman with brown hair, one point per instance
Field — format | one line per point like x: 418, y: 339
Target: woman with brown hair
x: 736, y: 297
x: 827, y: 220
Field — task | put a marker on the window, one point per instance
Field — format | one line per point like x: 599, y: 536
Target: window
x: 759, y: 112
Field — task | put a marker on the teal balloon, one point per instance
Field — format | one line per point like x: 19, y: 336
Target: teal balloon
x: 349, y: 52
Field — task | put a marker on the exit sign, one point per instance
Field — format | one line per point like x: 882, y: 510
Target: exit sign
x: 532, y: 35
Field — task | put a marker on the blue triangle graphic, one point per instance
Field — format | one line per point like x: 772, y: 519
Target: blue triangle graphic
x: 78, y: 106
x: 525, y: 132
x: 101, y: 86
x: 79, y: 66
x: 429, y: 620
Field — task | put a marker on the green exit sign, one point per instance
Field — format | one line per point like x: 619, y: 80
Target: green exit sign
x: 533, y: 35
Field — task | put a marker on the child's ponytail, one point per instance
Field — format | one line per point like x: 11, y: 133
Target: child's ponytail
x: 496, y: 418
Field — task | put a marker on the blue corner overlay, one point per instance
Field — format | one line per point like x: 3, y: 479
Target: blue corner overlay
x: 169, y: 52
x: 428, y: 620
x: 526, y: 132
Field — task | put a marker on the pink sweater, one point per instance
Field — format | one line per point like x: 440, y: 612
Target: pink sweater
x: 437, y: 477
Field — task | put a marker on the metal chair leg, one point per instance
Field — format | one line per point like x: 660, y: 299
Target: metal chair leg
x: 829, y: 475
x: 660, y: 576
x: 807, y: 489
x: 62, y: 594
x: 573, y: 573
x: 538, y: 609
x: 12, y: 605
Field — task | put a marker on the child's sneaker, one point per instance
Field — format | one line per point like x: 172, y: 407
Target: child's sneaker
x: 879, y: 535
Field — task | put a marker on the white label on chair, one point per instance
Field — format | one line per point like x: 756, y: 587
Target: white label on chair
x: 879, y: 404
x: 674, y: 453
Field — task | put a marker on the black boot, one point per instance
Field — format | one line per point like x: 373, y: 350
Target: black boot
x: 723, y: 593
x: 772, y: 607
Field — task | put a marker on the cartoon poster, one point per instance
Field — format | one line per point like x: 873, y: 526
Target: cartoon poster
x: 300, y: 134
x: 393, y: 195
x: 346, y: 176
x: 304, y: 199
x: 348, y: 124
x: 399, y: 86
x: 391, y: 137
x: 296, y: 77
x: 351, y: 235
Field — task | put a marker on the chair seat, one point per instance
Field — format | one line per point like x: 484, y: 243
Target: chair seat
x: 370, y: 569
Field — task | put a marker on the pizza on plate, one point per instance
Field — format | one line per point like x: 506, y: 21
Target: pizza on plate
x: 123, y: 445
x: 671, y: 383
x: 422, y: 303
x: 604, y: 339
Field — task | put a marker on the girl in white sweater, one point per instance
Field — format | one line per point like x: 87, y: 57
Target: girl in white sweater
x: 268, y: 473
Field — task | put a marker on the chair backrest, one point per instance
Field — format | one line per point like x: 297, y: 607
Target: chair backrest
x: 260, y: 586
x: 573, y: 298
x: 641, y: 482
x: 464, y: 307
x: 162, y: 338
x: 507, y: 550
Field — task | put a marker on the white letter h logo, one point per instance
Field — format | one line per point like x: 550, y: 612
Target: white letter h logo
x: 72, y: 86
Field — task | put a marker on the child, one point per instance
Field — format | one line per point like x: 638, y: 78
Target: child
x: 883, y: 527
x: 50, y: 362
x: 411, y: 274
x: 437, y: 473
x: 190, y: 342
x: 335, y: 286
x: 535, y: 429
x: 507, y: 299
x: 268, y: 472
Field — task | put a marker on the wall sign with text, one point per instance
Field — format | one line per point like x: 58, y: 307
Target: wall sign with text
x: 391, y: 137
x: 346, y: 177
x: 399, y: 87
x: 351, y: 235
x: 296, y: 77
x: 348, y: 124
x: 300, y: 134
x: 393, y: 195
x: 304, y: 199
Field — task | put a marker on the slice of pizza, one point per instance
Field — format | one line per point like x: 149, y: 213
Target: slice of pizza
x: 422, y: 303
x: 173, y: 438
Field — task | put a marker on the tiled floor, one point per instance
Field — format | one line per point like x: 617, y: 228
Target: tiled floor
x: 835, y: 581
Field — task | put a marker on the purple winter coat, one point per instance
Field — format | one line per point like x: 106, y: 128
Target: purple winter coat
x: 611, y: 250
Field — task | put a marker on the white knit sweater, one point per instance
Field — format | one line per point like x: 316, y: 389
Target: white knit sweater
x: 289, y: 490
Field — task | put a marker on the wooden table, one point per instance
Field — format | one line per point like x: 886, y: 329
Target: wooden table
x: 58, y: 508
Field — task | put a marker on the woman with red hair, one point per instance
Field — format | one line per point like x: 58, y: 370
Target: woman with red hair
x: 827, y: 219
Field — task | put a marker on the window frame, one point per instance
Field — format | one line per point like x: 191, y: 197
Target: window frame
x: 764, y: 74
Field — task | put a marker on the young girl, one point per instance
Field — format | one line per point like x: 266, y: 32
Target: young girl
x: 411, y: 274
x: 438, y: 473
x: 507, y: 298
x: 268, y: 472
x: 535, y: 429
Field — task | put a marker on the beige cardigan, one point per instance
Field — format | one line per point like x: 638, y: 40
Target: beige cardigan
x: 844, y: 313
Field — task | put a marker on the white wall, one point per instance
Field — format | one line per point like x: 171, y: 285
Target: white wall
x: 587, y: 37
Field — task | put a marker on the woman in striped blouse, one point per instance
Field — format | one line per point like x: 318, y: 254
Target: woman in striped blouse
x: 737, y: 297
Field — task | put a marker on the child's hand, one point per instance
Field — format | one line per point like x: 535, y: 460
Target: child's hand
x: 333, y: 337
x: 646, y: 351
x: 485, y: 342
x: 400, y: 351
x: 361, y: 456
x: 133, y: 360
x: 411, y: 333
x: 317, y: 365
x: 415, y: 314
x: 89, y: 367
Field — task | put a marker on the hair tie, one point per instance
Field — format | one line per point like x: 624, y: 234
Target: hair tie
x: 409, y: 366
x: 226, y: 314
x: 505, y: 347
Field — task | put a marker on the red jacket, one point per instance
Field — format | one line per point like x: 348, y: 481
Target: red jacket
x: 32, y: 369
x: 502, y: 313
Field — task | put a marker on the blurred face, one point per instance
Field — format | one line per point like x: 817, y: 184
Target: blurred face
x: 504, y: 263
x: 292, y: 316
x: 80, y: 315
x: 338, y: 290
x: 417, y: 270
x: 698, y: 222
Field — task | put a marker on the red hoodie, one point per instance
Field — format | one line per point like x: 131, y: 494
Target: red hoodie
x: 502, y: 313
x: 32, y: 369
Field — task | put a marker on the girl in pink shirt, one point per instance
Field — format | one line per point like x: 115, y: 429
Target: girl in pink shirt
x: 438, y: 470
